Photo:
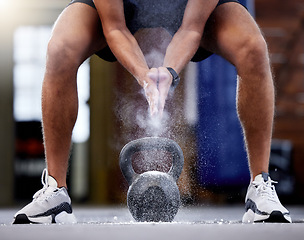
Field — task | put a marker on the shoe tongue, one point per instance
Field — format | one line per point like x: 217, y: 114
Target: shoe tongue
x: 262, y: 177
x: 52, y: 182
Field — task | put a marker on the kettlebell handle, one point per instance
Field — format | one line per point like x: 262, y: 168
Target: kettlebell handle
x: 150, y: 143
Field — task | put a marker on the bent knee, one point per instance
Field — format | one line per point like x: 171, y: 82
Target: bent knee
x: 61, y: 57
x: 254, y: 52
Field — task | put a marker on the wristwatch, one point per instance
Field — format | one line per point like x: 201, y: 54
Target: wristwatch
x: 175, y: 76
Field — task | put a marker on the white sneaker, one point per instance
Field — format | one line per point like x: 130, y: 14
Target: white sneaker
x: 262, y: 203
x: 50, y: 205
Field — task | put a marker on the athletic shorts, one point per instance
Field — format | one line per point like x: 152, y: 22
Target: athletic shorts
x: 132, y: 19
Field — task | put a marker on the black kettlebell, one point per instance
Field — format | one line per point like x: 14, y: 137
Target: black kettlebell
x: 153, y: 196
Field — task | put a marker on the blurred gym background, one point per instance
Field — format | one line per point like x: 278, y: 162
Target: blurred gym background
x: 202, y: 116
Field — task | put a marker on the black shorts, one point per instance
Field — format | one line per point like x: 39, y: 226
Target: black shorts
x: 107, y: 55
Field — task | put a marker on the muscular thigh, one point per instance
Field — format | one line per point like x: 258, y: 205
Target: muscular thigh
x: 228, y: 29
x: 78, y: 30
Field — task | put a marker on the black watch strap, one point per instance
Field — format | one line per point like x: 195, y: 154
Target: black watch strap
x: 175, y: 76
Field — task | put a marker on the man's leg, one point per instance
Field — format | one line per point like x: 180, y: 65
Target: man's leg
x: 232, y: 33
x: 77, y: 35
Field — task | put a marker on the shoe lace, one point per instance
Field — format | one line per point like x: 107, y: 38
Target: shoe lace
x: 46, y: 190
x: 266, y: 189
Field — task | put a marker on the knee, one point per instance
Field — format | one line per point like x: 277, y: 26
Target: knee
x: 254, y: 54
x: 61, y: 58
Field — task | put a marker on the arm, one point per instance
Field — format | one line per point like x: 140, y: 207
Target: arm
x: 121, y: 42
x: 126, y: 49
x: 187, y: 39
x: 184, y: 43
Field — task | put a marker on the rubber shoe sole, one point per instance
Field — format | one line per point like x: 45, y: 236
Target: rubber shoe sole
x: 22, y: 219
x: 63, y: 217
x: 274, y: 217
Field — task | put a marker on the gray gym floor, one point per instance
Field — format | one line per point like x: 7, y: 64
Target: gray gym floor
x: 206, y: 222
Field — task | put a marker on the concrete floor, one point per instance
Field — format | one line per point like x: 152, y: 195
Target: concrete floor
x: 207, y: 222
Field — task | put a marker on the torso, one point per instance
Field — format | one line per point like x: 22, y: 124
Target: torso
x: 167, y: 14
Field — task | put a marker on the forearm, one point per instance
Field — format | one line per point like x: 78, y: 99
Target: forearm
x: 126, y: 49
x: 181, y: 49
x: 187, y: 39
x: 120, y: 40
